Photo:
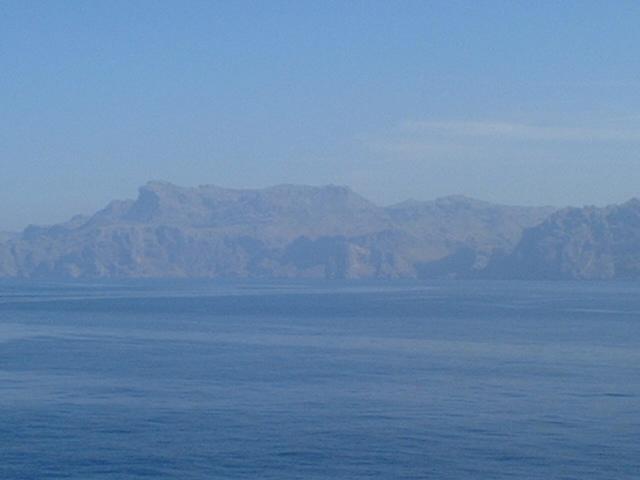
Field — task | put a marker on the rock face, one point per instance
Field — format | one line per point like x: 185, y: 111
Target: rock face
x: 281, y: 231
x: 578, y: 243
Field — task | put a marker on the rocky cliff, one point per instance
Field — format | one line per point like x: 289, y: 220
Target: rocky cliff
x: 578, y: 243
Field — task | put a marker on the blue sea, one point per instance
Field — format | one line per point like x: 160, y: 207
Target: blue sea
x: 277, y: 380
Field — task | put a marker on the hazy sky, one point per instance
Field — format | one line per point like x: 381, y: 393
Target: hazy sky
x: 518, y: 102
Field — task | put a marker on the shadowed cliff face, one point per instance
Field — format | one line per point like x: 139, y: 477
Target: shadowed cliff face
x: 578, y: 243
x: 281, y: 231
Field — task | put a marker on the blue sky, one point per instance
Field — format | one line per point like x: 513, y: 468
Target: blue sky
x: 515, y: 102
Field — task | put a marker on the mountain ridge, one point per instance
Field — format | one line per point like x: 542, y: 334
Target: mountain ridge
x: 280, y: 231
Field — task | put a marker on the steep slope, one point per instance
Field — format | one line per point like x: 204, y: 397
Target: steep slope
x: 578, y: 243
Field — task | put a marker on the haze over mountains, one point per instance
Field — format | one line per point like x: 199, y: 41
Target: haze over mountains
x: 293, y: 231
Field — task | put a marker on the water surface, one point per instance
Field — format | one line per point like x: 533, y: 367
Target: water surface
x: 197, y: 380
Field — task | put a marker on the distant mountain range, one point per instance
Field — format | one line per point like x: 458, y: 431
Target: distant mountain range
x: 292, y: 231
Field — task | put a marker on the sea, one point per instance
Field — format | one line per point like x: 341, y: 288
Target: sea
x: 319, y: 380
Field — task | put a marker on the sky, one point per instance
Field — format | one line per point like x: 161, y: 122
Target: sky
x: 514, y: 102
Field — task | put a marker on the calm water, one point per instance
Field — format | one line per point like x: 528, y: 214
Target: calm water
x: 314, y: 381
